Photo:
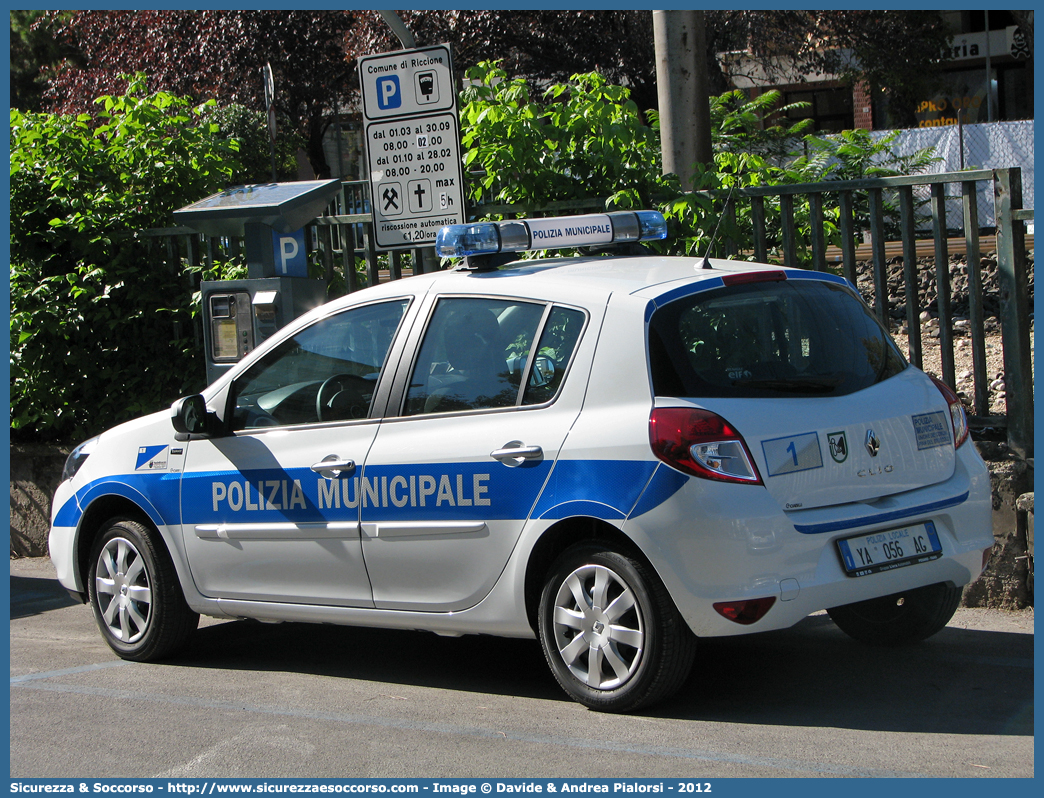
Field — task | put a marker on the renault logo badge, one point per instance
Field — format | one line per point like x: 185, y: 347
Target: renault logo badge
x: 873, y: 445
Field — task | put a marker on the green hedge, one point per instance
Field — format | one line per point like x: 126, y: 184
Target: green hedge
x: 99, y: 334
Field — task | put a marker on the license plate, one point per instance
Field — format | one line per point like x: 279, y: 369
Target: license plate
x: 893, y: 548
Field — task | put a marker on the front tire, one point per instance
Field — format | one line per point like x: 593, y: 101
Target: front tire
x: 610, y: 631
x: 135, y: 594
x: 901, y: 618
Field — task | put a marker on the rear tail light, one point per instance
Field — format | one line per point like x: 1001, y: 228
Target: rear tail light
x: 701, y: 443
x: 958, y: 417
x: 745, y: 612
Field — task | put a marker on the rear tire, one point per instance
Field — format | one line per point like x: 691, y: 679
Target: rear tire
x: 901, y: 618
x: 135, y: 593
x: 610, y: 632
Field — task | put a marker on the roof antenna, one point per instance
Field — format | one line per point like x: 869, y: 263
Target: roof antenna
x: 714, y: 235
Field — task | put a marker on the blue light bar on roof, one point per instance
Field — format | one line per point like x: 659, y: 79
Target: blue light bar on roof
x: 594, y: 229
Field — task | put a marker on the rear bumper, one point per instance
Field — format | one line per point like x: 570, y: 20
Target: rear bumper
x: 706, y: 550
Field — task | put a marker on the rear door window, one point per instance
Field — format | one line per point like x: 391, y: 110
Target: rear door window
x: 478, y: 352
x: 553, y: 354
x: 789, y: 337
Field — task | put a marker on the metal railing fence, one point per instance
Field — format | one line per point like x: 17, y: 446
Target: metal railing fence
x: 1012, y: 275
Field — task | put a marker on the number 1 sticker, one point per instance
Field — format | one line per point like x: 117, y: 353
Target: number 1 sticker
x: 792, y: 453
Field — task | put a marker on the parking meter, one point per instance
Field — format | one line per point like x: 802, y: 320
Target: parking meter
x: 270, y: 218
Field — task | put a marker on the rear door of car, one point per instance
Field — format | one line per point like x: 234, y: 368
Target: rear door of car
x: 484, y: 408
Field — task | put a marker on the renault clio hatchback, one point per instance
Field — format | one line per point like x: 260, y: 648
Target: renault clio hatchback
x: 616, y: 454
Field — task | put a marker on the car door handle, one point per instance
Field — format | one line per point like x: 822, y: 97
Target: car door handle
x: 333, y: 466
x: 515, y: 453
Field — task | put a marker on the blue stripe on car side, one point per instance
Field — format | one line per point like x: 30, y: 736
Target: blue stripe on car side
x: 615, y: 484
x: 155, y: 493
x: 607, y: 489
x: 718, y: 282
x: 572, y: 509
x: 665, y: 482
x: 879, y: 518
x: 802, y: 274
x: 686, y: 290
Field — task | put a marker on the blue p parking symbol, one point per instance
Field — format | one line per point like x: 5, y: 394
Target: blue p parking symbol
x: 388, y: 94
x: 291, y: 258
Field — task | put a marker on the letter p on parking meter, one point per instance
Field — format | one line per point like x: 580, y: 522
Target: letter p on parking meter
x: 290, y: 260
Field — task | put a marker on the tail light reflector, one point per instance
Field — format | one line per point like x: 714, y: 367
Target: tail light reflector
x: 745, y: 612
x: 701, y: 443
x: 958, y: 416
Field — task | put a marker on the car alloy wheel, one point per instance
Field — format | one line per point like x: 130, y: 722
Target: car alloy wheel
x: 135, y: 593
x: 610, y: 632
x: 598, y: 627
x: 124, y: 590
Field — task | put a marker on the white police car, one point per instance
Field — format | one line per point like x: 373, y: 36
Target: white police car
x: 615, y: 454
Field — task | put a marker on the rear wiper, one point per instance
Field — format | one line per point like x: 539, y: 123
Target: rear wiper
x: 801, y: 385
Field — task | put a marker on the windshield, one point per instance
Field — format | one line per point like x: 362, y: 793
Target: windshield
x: 780, y: 338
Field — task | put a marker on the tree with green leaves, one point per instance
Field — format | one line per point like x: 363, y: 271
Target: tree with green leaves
x: 544, y: 46
x: 249, y: 128
x: 99, y: 332
x: 35, y: 53
x: 896, y: 52
x: 582, y: 138
x: 585, y: 138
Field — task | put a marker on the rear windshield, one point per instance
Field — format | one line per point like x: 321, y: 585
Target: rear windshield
x: 785, y: 338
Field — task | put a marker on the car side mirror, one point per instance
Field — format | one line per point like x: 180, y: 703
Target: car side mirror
x: 189, y: 416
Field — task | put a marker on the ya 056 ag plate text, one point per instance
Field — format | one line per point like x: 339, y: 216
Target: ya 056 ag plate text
x: 893, y: 548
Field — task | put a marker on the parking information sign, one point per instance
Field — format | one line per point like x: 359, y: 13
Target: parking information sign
x: 412, y: 145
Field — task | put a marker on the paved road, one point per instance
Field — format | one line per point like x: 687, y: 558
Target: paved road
x: 253, y: 700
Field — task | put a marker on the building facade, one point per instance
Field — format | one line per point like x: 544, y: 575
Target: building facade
x: 987, y: 77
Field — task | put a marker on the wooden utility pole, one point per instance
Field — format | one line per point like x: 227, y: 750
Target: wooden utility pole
x: 682, y: 91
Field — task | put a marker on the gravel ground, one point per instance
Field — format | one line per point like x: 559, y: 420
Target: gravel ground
x: 931, y: 356
x: 1007, y: 582
x: 959, y: 306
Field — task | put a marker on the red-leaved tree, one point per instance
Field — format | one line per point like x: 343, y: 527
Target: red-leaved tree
x: 215, y: 54
x: 219, y: 54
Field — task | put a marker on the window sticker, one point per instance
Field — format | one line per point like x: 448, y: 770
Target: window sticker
x: 931, y: 430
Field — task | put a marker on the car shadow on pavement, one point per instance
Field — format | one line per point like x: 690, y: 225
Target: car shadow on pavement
x: 472, y: 663
x: 959, y: 682
x: 34, y: 595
